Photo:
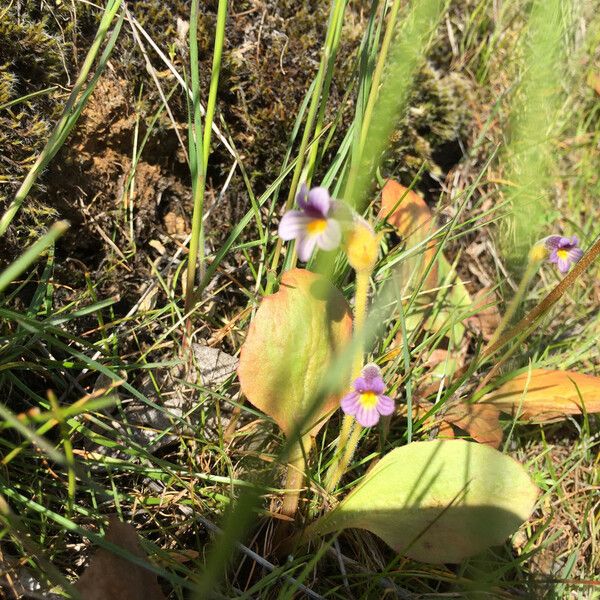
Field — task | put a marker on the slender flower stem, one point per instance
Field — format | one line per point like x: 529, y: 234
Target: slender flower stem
x: 295, y: 476
x: 196, y: 152
x: 200, y: 145
x: 333, y: 41
x: 378, y: 73
x: 214, y: 77
x: 349, y: 447
x: 337, y: 468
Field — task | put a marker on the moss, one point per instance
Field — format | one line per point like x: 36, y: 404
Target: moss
x: 32, y: 58
x: 437, y: 119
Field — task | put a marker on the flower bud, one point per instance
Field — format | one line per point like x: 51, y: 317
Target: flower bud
x: 362, y: 246
x: 538, y: 252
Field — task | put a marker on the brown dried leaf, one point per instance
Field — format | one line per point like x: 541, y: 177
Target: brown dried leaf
x: 480, y: 421
x: 111, y: 577
x: 542, y: 395
x: 487, y: 318
x: 594, y: 82
x: 414, y: 222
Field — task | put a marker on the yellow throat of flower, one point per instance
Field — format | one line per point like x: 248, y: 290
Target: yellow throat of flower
x: 562, y: 254
x: 316, y: 226
x: 368, y: 400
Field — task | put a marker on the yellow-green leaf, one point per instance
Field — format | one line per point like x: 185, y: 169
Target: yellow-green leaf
x: 439, y: 501
x: 290, y: 344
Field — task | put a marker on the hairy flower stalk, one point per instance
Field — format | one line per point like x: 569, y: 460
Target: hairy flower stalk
x: 361, y: 250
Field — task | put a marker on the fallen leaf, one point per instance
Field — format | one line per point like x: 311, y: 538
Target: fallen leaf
x: 594, y: 81
x: 112, y: 577
x: 443, y: 308
x: 410, y: 215
x: 436, y: 502
x: 480, y: 421
x: 486, y: 319
x: 291, y: 343
x: 543, y: 395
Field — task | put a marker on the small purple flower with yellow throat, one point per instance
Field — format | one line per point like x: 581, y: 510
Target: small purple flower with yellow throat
x: 312, y: 226
x: 367, y: 402
x: 564, y: 251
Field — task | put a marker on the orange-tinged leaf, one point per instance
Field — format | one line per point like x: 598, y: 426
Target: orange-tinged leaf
x: 290, y: 344
x: 543, y: 395
x: 411, y: 217
x: 594, y: 82
x: 112, y: 577
x: 480, y: 421
x: 487, y: 318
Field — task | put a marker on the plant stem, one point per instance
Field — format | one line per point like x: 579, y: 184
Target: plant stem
x: 295, y: 476
x: 336, y: 470
x: 197, y: 169
x: 348, y: 449
x: 214, y: 78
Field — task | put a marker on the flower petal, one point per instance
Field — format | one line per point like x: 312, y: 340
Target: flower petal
x: 306, y: 246
x: 575, y: 255
x: 332, y: 236
x: 302, y: 196
x: 319, y: 200
x: 385, y: 405
x: 563, y: 265
x: 372, y: 376
x: 367, y: 417
x: 361, y: 385
x: 293, y: 224
x: 350, y: 403
x: 553, y: 242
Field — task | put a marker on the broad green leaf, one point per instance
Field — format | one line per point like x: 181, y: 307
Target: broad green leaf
x: 436, y: 502
x: 542, y: 395
x: 290, y: 345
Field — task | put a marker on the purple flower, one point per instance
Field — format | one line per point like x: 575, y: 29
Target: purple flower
x: 312, y: 225
x: 564, y: 251
x: 367, y: 402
